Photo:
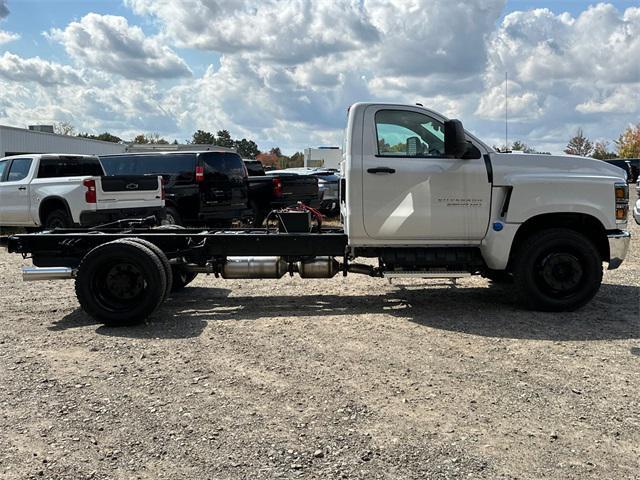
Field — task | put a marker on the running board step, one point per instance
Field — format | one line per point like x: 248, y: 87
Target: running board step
x: 425, y: 274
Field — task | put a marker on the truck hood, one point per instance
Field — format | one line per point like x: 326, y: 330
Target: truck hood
x: 556, y: 166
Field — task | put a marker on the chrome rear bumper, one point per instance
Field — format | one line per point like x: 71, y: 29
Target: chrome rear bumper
x: 618, y: 248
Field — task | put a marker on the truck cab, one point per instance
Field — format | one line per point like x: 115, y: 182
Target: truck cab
x: 421, y: 193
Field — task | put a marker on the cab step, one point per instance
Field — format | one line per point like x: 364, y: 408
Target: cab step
x: 426, y: 274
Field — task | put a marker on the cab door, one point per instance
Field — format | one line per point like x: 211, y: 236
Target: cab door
x: 14, y: 193
x: 411, y: 191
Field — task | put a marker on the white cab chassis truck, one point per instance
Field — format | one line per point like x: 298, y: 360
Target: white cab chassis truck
x: 420, y: 198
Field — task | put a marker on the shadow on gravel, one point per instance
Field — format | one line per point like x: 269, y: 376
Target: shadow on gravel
x: 489, y: 312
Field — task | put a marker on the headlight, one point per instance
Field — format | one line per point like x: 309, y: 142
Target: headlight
x: 622, y: 202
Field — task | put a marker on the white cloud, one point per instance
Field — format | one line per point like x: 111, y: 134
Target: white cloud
x: 288, y: 32
x: 288, y: 69
x: 6, y: 37
x: 623, y: 99
x: 18, y: 69
x: 427, y: 37
x: 522, y: 105
x: 565, y: 72
x: 108, y: 43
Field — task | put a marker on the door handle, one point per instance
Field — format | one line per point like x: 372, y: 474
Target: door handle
x: 381, y: 170
x: 22, y: 188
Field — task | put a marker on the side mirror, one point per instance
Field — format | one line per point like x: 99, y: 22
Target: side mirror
x: 455, y: 143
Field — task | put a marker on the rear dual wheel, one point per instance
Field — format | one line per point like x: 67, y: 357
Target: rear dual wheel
x: 121, y: 282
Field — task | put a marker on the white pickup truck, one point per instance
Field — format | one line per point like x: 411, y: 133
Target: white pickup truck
x: 420, y: 198
x: 61, y: 191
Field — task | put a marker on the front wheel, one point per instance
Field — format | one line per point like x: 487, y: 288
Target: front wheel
x: 557, y: 270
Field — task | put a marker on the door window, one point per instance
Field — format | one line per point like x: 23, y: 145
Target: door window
x: 403, y: 133
x: 19, y: 169
x: 3, y: 165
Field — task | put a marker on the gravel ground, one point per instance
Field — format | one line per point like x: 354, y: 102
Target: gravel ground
x: 346, y: 378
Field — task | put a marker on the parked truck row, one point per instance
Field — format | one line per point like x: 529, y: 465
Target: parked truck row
x: 419, y: 198
x: 210, y: 188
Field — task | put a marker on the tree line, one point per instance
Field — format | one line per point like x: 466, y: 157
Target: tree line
x: 626, y: 146
x: 246, y: 148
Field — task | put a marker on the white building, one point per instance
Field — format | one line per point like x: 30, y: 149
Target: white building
x: 16, y: 141
x: 325, y: 157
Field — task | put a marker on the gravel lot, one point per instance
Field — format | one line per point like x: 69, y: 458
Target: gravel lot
x: 346, y: 378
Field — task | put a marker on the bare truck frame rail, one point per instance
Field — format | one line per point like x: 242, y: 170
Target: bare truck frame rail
x: 123, y: 275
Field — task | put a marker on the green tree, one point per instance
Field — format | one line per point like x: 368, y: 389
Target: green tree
x: 105, y: 137
x: 628, y: 144
x: 275, y: 151
x: 200, y: 137
x: 579, y: 145
x: 520, y: 146
x: 64, y: 128
x: 601, y: 151
x: 246, y: 148
x: 223, y: 139
x: 297, y: 160
x: 152, y: 138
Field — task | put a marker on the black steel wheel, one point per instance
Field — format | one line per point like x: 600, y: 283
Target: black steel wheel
x: 557, y: 270
x: 166, y: 266
x: 120, y: 283
x: 57, y: 219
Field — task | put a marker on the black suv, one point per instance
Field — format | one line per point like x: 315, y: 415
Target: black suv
x: 201, y: 187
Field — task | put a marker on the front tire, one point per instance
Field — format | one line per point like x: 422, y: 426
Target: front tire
x: 120, y: 283
x: 557, y: 270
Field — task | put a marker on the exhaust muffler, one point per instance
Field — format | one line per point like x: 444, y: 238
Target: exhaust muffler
x: 32, y: 274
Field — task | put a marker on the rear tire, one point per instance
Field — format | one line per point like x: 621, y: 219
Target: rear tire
x: 172, y: 217
x: 58, y: 219
x: 557, y: 270
x: 163, y: 259
x: 120, y: 283
x: 258, y: 215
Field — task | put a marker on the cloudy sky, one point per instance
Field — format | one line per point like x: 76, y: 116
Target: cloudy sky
x: 283, y: 72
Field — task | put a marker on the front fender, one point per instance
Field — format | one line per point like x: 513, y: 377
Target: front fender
x: 534, y: 195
